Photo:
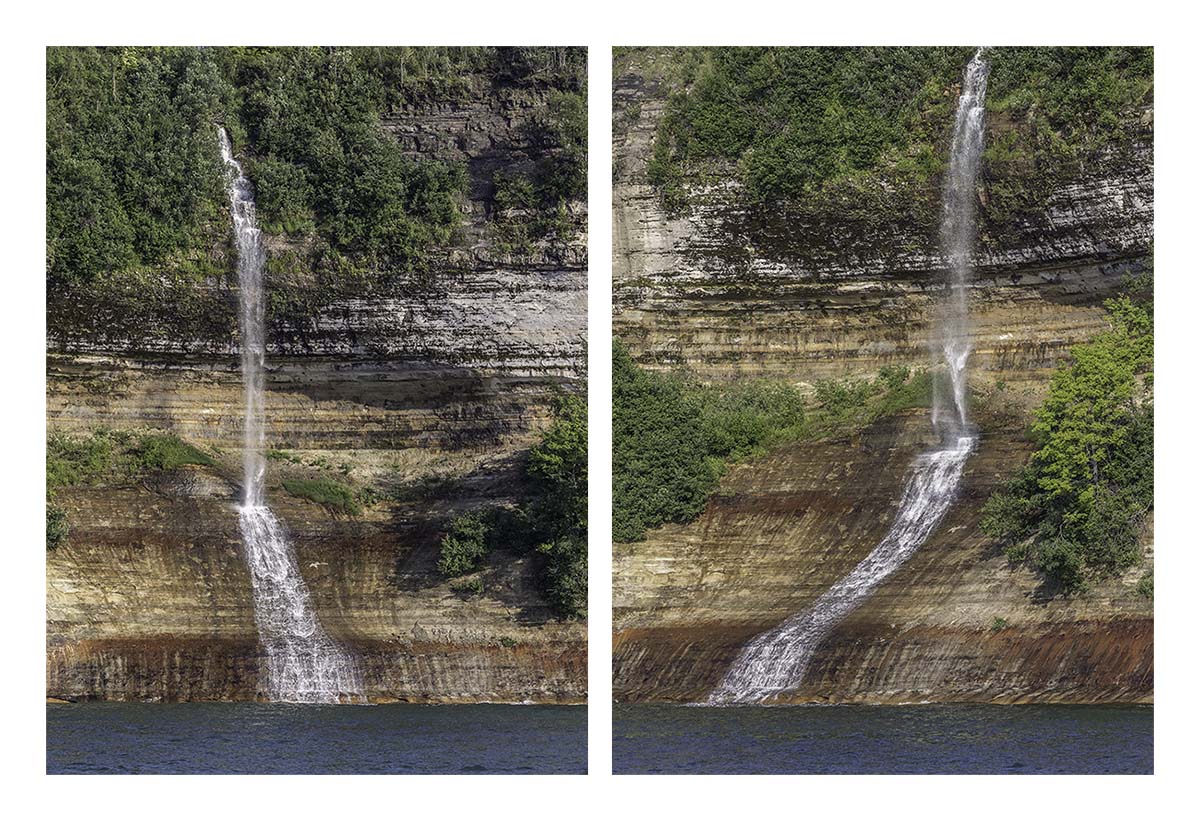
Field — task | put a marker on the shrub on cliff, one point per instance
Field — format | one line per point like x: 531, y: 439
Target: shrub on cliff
x: 134, y: 177
x: 57, y: 526
x: 1076, y: 509
x: 557, y: 470
x: 661, y: 468
x: 552, y: 524
x: 132, y: 170
x: 794, y: 118
x: 533, y: 206
x: 672, y: 439
x: 1145, y: 585
x: 464, y: 545
x: 81, y: 460
x: 791, y: 121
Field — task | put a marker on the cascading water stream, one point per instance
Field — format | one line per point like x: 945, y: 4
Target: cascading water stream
x: 775, y: 661
x: 303, y: 663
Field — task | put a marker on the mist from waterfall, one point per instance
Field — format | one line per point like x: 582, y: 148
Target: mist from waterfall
x: 776, y: 661
x: 303, y: 663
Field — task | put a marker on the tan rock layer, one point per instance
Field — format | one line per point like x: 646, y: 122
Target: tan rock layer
x: 151, y: 600
x: 311, y: 403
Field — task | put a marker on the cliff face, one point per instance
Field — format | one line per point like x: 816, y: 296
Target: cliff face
x: 782, y: 529
x: 437, y: 383
x: 843, y: 286
x: 151, y: 600
x: 839, y: 288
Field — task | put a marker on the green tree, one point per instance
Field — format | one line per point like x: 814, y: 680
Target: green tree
x: 557, y: 469
x: 792, y: 120
x: 1075, y: 510
x: 662, y: 471
x: 552, y: 524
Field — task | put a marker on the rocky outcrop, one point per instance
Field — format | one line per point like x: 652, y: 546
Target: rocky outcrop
x: 434, y: 384
x: 839, y: 287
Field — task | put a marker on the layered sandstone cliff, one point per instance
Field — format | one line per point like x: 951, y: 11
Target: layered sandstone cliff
x: 782, y: 529
x: 845, y: 285
x: 437, y: 383
x: 839, y: 288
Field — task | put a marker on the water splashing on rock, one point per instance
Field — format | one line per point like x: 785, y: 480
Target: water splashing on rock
x: 303, y: 663
x: 775, y: 661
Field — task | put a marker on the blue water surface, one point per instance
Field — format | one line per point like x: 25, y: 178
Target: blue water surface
x: 883, y: 739
x: 109, y: 737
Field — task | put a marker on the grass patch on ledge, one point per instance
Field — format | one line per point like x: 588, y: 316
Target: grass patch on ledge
x: 166, y: 452
x: 329, y: 493
x: 106, y: 455
x: 674, y: 437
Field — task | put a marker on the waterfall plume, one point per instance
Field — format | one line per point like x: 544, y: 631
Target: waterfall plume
x: 952, y: 340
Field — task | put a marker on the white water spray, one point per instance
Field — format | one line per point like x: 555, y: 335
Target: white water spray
x: 303, y: 663
x: 775, y: 661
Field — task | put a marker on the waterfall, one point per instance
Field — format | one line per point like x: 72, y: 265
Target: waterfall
x: 775, y: 661
x: 303, y: 663
x: 958, y: 244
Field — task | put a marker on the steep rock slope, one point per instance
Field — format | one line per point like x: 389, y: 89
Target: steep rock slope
x: 782, y: 529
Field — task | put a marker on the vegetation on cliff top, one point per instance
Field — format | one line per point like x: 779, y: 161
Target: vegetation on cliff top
x: 674, y: 437
x: 793, y: 120
x: 552, y: 524
x: 533, y: 206
x: 1076, y: 509
x: 132, y: 171
x: 134, y: 178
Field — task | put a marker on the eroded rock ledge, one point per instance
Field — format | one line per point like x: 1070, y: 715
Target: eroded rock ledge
x: 783, y: 529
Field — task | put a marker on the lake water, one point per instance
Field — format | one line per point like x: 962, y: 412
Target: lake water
x: 110, y: 737
x: 883, y: 739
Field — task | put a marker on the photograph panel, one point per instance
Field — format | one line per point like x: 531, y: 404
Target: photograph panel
x: 316, y: 409
x: 883, y: 410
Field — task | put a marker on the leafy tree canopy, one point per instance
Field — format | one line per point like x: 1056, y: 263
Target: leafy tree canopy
x: 1075, y: 510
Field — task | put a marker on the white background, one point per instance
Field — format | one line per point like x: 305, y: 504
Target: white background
x: 599, y: 25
